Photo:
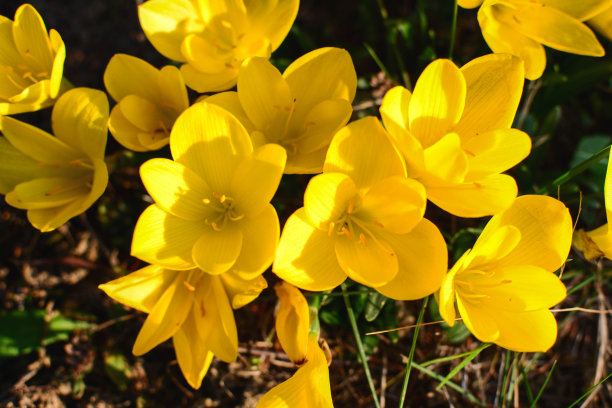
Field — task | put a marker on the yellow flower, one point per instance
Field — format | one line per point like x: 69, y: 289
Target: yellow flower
x: 193, y: 307
x: 31, y: 63
x: 212, y: 203
x: 56, y: 178
x: 505, y: 284
x: 523, y: 27
x: 292, y: 321
x: 602, y: 22
x: 307, y: 388
x: 213, y: 37
x: 363, y: 218
x: 454, y: 132
x: 301, y: 109
x: 149, y: 101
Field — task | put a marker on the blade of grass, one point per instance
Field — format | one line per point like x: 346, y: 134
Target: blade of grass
x: 377, y: 60
x: 451, y: 47
x: 524, y: 372
x: 579, y: 168
x: 535, y: 401
x: 470, y: 356
x: 590, y: 390
x: 364, y: 361
x: 450, y: 384
x: 411, y: 354
x: 454, y: 357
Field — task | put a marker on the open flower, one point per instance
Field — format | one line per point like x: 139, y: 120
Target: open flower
x: 363, y: 218
x: 212, y: 38
x: 523, y: 27
x: 301, y: 109
x: 191, y: 306
x: 31, y: 63
x: 212, y: 203
x: 504, y: 286
x: 56, y: 178
x: 454, y: 132
x: 149, y: 101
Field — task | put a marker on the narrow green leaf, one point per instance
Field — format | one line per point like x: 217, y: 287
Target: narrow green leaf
x: 471, y: 355
x: 535, y: 401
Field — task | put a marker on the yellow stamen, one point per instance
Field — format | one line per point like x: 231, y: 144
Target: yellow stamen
x: 347, y: 233
x: 351, y: 206
x: 215, y: 226
x: 189, y: 286
x: 362, y: 239
x: 378, y: 223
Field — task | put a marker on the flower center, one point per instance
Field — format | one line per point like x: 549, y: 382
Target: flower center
x: 474, y: 285
x: 223, y: 209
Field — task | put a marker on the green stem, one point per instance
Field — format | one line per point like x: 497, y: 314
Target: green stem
x: 353, y: 321
x: 574, y: 171
x: 411, y: 354
x: 451, y: 47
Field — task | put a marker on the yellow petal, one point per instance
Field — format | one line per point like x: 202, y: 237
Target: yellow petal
x: 166, y: 24
x: 327, y: 198
x: 164, y: 239
x: 230, y: 102
x: 306, y: 257
x: 325, y: 73
x: 370, y: 261
x: 141, y: 289
x: 176, y: 189
x: 259, y: 242
x: 482, y: 322
x: 602, y: 23
x: 142, y: 113
x: 210, y: 141
x: 594, y: 244
x: 309, y: 386
x: 422, y: 261
x: 446, y: 296
x: 395, y: 204
x: 608, y: 189
x: 216, y: 251
x: 363, y: 151
x: 202, y: 55
x: 445, y: 161
x: 486, y: 196
x: 208, y: 82
x: 468, y: 4
x: 215, y: 319
x: 256, y: 179
x: 124, y: 131
x: 292, y: 321
x: 166, y: 317
x: 46, y: 193
x: 546, y: 231
x: 494, y: 88
x: 261, y: 12
x: 502, y: 38
x: 527, y: 331
x: 241, y: 290
x: 16, y: 167
x: 580, y: 10
x: 493, y: 246
x: 31, y: 38
x: 437, y: 101
x: 126, y: 75
x: 57, y: 71
x: 265, y: 97
x: 306, y: 163
x: 496, y: 151
x: 193, y: 357
x: 80, y: 118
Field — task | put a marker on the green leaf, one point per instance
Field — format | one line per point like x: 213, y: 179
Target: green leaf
x: 462, y: 364
x: 118, y: 369
x: 374, y: 304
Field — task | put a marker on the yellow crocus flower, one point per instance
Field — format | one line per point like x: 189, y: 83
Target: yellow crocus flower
x: 149, y: 101
x: 363, y: 219
x: 301, y: 109
x: 292, y: 321
x: 454, y: 132
x: 504, y: 286
x: 56, y: 177
x: 212, y: 203
x: 524, y: 27
x: 213, y: 37
x: 31, y: 63
x: 193, y: 307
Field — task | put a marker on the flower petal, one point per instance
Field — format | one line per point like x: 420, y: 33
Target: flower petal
x: 46, y: 192
x: 241, y: 290
x: 494, y: 88
x: 210, y: 141
x: 306, y: 257
x: 528, y: 331
x: 256, y: 179
x: 16, y: 167
x: 363, y: 151
x: 321, y: 124
x: 230, y: 102
x: 446, y: 296
x: 580, y: 10
x: 142, y: 289
x: 208, y: 82
x: 166, y: 317
x: 127, y: 75
x: 260, y: 13
x: 193, y: 357
x: 327, y: 198
x: 216, y: 251
x: 493, y: 246
x: 487, y: 196
x: 31, y: 38
x: 445, y: 162
x: 468, y: 4
x: 56, y: 81
x: 176, y: 189
x: 259, y: 242
x: 292, y: 322
x: 480, y: 321
x: 422, y: 261
x: 437, y: 102
x: 164, y: 239
x: 124, y: 131
x: 546, y: 232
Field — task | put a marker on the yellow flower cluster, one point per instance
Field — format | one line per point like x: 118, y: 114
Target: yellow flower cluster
x: 212, y: 230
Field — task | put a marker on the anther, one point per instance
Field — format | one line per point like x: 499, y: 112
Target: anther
x: 189, y: 286
x: 346, y: 232
x: 214, y: 226
x: 206, y: 201
x: 362, y: 239
x: 378, y: 223
x: 330, y: 230
x: 351, y: 206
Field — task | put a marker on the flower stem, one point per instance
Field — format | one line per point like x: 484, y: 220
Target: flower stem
x: 411, y: 354
x: 351, y: 316
x: 451, y: 47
